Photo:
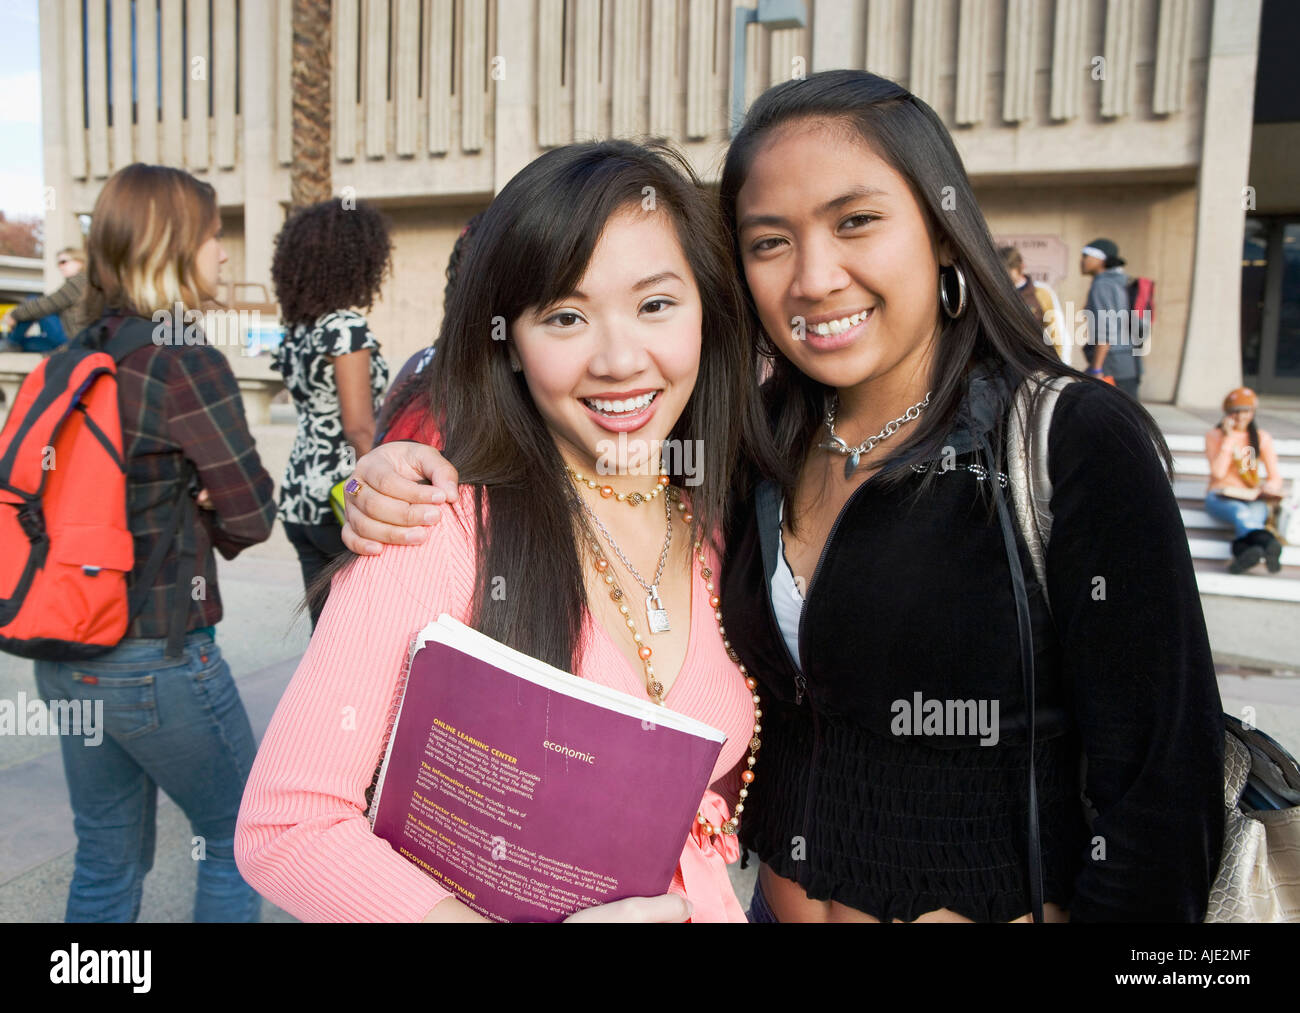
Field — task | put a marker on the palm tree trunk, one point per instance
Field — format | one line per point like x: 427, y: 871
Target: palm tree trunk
x: 309, y: 174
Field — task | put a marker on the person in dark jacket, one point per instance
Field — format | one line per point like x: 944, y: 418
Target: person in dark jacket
x: 880, y: 590
x: 58, y: 312
x: 1110, y: 350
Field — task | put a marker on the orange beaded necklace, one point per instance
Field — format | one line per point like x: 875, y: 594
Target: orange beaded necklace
x: 654, y: 687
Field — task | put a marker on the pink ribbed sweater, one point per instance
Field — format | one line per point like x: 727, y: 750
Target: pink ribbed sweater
x: 303, y: 841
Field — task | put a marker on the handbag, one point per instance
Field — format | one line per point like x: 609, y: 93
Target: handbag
x: 1286, y: 519
x: 1258, y: 878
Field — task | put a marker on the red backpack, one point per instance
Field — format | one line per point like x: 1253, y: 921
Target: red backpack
x: 1142, y: 301
x: 65, y: 548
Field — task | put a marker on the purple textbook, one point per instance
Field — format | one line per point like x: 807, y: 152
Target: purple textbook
x: 531, y: 793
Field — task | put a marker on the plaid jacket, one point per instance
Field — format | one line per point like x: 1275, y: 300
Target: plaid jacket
x: 181, y: 402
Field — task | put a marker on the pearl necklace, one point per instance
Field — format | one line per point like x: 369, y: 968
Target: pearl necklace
x: 631, y: 498
x: 655, y: 688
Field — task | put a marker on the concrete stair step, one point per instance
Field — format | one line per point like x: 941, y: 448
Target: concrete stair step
x: 1185, y: 443
x: 1213, y: 578
x: 1189, y: 465
x: 1219, y: 549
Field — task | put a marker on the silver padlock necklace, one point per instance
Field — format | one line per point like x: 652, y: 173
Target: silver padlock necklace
x: 655, y: 613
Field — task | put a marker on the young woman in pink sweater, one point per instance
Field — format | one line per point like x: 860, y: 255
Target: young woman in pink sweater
x: 595, y: 391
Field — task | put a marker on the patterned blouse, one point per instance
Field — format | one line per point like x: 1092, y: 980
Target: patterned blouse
x: 320, y: 457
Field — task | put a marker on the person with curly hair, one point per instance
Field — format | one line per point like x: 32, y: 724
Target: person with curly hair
x: 330, y: 262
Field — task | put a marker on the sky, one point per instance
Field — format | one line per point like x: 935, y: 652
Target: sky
x: 21, y: 176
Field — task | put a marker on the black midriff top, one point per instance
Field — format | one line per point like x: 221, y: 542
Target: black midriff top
x: 914, y: 596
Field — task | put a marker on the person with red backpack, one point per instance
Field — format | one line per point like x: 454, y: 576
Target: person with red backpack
x: 125, y: 461
x: 1120, y: 310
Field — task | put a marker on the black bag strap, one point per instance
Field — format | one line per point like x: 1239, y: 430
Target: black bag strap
x: 119, y: 335
x: 1026, y: 638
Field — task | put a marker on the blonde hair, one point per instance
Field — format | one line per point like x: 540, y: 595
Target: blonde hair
x: 145, y: 232
x: 72, y: 253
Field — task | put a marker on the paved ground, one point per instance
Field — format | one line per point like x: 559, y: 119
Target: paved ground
x: 263, y: 641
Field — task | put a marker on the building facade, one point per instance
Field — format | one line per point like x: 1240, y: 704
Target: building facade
x: 1132, y: 119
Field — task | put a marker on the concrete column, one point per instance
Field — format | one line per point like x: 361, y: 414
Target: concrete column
x: 1068, y: 61
x: 1212, y: 351
x: 121, y: 134
x: 263, y: 179
x: 515, y: 136
x: 553, y: 126
x: 61, y: 225
x: 972, y: 51
x: 374, y: 78
x: 923, y: 76
x: 1172, y: 38
x: 1018, y: 64
x: 839, y: 31
x: 223, y: 80
x: 147, y: 83
x: 438, y: 91
x: 473, y: 75
x: 406, y: 76
x: 197, y: 149
x: 884, y: 26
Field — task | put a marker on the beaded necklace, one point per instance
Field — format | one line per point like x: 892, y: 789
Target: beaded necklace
x: 654, y: 687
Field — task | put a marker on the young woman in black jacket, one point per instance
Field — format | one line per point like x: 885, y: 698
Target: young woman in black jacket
x: 880, y: 589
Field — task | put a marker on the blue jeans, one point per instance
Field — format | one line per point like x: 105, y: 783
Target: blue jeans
x: 759, y: 912
x: 49, y: 334
x: 177, y: 723
x: 1243, y: 516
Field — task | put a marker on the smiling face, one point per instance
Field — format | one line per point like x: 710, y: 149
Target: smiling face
x: 831, y: 235
x: 617, y: 359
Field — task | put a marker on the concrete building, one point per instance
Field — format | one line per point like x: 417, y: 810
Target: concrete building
x: 1132, y: 119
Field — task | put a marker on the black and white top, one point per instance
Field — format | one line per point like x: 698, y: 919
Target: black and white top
x: 320, y: 457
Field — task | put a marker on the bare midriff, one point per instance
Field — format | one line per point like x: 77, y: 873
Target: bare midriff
x: 789, y: 903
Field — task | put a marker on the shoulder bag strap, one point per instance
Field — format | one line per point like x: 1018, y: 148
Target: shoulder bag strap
x: 1031, y: 491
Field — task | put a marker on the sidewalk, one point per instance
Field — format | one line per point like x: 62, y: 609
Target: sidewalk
x: 262, y: 639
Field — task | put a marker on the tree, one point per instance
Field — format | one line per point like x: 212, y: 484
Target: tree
x: 21, y: 237
x: 309, y: 174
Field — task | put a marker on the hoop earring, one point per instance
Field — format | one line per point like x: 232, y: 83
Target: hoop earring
x: 961, y: 293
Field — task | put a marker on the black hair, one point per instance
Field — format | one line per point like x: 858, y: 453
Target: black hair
x: 529, y: 250
x: 996, y: 327
x: 330, y: 256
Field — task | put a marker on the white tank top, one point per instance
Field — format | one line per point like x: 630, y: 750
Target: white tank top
x: 787, y: 602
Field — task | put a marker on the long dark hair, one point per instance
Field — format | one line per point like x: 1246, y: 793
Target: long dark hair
x: 997, y: 327
x: 530, y: 249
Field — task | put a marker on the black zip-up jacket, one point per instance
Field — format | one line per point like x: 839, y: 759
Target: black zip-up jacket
x: 865, y: 796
